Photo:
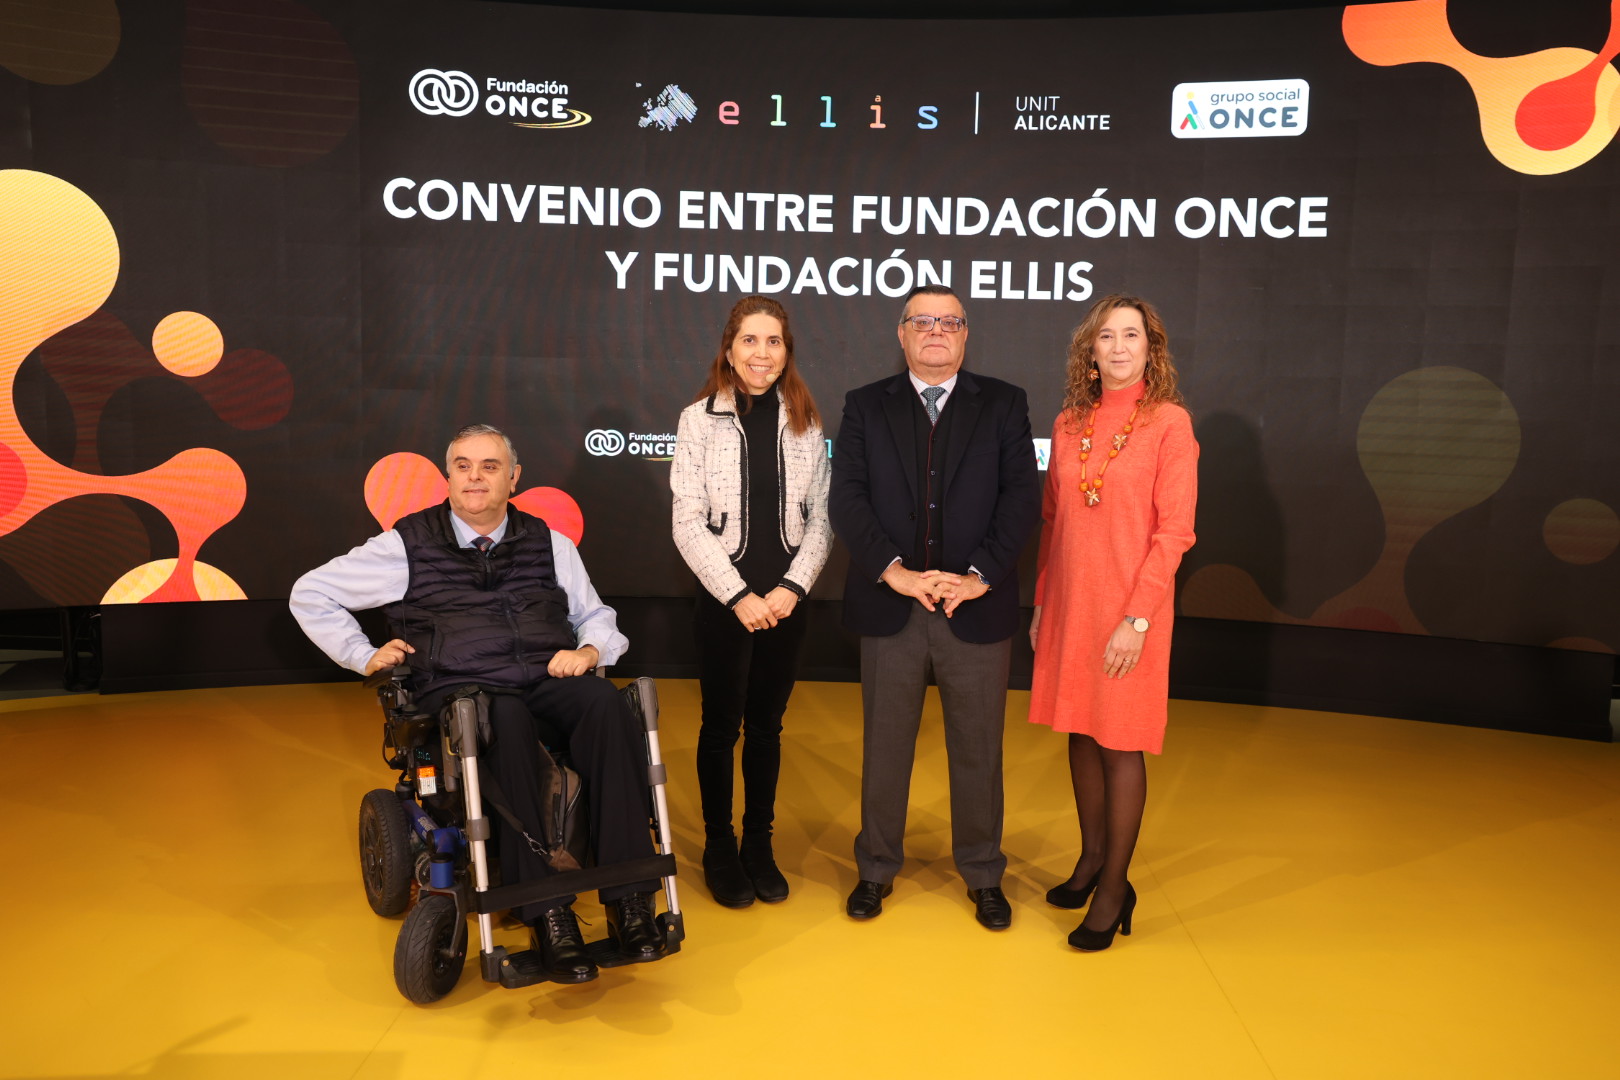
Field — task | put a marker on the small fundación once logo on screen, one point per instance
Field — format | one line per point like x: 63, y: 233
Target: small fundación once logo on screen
x: 524, y: 103
x: 647, y: 445
x: 1253, y: 109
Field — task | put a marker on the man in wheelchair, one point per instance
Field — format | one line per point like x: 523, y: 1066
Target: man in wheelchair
x: 478, y: 592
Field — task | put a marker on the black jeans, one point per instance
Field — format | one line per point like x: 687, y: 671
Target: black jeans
x: 586, y: 717
x: 746, y: 679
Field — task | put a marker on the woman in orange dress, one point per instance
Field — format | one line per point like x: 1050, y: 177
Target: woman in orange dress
x: 1121, y: 486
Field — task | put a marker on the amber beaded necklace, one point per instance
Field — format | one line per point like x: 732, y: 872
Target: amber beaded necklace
x: 1092, y: 489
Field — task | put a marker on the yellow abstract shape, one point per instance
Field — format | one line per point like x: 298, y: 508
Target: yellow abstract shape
x: 58, y: 263
x: 1581, y: 531
x: 211, y: 582
x: 188, y: 344
x: 58, y: 41
x: 1417, y: 31
x: 1433, y: 443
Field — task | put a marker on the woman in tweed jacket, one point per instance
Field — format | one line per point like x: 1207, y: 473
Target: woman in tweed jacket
x: 750, y: 482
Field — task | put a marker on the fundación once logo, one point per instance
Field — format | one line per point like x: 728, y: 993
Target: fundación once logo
x: 649, y: 446
x: 443, y: 93
x: 604, y: 442
x: 523, y: 102
x: 1255, y: 109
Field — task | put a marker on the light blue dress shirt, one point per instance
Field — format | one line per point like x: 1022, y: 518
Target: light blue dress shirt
x: 377, y: 573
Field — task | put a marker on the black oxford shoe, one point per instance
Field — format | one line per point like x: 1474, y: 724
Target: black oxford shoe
x: 562, y: 950
x: 990, y: 907
x: 866, y: 902
x: 630, y: 922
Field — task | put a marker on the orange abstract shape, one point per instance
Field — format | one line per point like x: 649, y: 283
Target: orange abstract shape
x: 556, y: 507
x: 1543, y: 113
x: 144, y: 582
x: 1223, y: 591
x: 401, y: 484
x: 1581, y: 644
x: 1581, y: 531
x: 188, y: 344
x: 404, y: 483
x: 13, y: 479
x: 269, y: 80
x: 58, y: 262
x: 58, y: 42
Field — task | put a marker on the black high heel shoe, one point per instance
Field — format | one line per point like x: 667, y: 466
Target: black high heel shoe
x: 1097, y: 940
x: 1070, y: 899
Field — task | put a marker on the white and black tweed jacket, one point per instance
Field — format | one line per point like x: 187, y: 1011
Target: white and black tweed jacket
x: 709, y: 478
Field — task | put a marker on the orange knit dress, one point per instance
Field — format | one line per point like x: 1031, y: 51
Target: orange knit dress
x: 1100, y: 563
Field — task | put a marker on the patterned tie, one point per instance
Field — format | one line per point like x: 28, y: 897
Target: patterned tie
x: 483, y: 544
x: 931, y: 396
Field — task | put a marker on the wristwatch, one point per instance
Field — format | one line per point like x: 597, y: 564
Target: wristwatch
x: 1139, y: 624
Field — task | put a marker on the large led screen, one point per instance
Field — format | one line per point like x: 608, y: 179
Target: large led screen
x: 258, y: 258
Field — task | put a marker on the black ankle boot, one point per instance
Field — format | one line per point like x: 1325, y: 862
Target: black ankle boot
x: 723, y: 873
x: 760, y: 865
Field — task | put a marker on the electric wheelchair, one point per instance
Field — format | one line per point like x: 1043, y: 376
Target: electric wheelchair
x: 429, y: 836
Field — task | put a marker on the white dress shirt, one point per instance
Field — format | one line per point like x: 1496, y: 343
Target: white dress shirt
x: 378, y: 573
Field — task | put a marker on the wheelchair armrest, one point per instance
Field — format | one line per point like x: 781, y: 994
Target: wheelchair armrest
x: 380, y: 678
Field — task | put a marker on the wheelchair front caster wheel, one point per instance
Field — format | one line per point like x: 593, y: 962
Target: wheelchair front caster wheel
x: 427, y: 956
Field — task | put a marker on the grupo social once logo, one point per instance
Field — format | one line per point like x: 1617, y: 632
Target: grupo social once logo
x: 444, y: 93
x: 604, y: 442
x: 1255, y: 109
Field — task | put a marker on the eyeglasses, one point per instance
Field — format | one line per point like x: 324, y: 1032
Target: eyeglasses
x: 924, y: 323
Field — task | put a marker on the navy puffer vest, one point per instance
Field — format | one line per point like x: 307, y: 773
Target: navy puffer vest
x: 494, y: 619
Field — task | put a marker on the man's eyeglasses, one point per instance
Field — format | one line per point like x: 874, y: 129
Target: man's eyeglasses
x: 924, y: 323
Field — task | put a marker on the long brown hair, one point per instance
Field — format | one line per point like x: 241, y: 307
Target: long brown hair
x: 1084, y: 389
x: 801, y: 407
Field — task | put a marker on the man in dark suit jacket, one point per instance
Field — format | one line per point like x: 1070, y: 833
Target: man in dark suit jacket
x: 934, y: 492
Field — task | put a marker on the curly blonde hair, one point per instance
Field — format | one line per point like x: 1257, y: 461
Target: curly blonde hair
x: 1084, y: 388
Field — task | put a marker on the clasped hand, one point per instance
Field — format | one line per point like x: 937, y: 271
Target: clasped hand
x: 763, y: 613
x: 931, y: 587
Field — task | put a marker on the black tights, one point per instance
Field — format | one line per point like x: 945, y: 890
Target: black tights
x: 1110, y: 790
x: 746, y: 679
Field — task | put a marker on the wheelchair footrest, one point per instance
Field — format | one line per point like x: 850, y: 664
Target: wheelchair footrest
x: 520, y: 969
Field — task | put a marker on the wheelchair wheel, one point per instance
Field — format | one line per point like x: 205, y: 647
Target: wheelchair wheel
x: 385, y: 852
x: 427, y: 960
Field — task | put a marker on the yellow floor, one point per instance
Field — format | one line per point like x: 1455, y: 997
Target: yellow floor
x: 1321, y: 896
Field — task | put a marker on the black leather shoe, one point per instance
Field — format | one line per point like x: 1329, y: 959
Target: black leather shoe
x: 866, y: 901
x: 723, y: 873
x: 630, y: 922
x: 562, y: 950
x: 759, y: 863
x: 990, y: 907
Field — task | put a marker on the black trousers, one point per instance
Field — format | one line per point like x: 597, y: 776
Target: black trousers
x: 746, y: 680
x: 587, y: 718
